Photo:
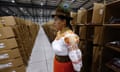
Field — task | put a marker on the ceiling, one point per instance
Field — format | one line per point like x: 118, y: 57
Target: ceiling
x: 40, y: 8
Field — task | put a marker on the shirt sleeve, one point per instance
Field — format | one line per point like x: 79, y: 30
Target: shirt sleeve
x: 71, y: 40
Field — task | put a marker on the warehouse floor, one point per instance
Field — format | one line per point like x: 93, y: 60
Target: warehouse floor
x: 42, y: 55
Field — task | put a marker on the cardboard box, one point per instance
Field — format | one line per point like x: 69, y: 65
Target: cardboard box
x: 28, y: 48
x: 50, y: 30
x: 8, y: 20
x: 28, y: 22
x: 19, y: 32
x: 6, y: 32
x: 1, y: 24
x: 16, y: 69
x: 98, y: 35
x: 74, y: 16
x: 82, y: 46
x: 25, y: 32
x: 7, y: 64
x: 82, y: 16
x: 98, y: 13
x: 19, y: 21
x: 82, y: 32
x: 24, y: 55
x: 38, y: 28
x: 8, y: 44
x: 9, y: 54
x: 33, y: 31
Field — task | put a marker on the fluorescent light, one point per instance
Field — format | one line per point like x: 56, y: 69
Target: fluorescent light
x: 25, y: 11
x: 41, y: 3
x: 7, y: 11
x: 13, y: 1
x: 73, y: 0
x: 21, y: 8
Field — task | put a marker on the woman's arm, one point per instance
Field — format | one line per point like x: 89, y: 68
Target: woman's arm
x: 72, y: 40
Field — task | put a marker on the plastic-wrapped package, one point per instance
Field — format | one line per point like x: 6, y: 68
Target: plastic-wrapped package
x: 75, y: 54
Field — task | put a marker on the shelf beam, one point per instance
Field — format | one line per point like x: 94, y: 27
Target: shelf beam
x: 83, y: 4
x: 3, y: 3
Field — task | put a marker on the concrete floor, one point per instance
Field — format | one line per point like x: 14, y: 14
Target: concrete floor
x: 42, y: 55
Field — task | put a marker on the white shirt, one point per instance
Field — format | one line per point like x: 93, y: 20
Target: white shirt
x: 61, y: 48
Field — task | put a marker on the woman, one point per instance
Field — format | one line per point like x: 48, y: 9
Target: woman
x: 67, y: 54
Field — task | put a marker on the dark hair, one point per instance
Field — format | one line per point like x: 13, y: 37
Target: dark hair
x: 67, y: 21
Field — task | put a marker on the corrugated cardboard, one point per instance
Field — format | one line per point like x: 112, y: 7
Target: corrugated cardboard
x: 98, y: 13
x: 25, y: 32
x: 19, y: 20
x: 7, y: 64
x: 38, y: 28
x: 9, y: 54
x: 16, y: 69
x: 28, y: 22
x: 1, y: 24
x: 28, y: 47
x: 6, y: 32
x: 8, y: 44
x: 98, y: 35
x: 82, y: 32
x: 8, y: 20
x: 33, y: 31
x: 21, y: 39
x: 82, y: 16
x: 24, y: 55
x: 50, y: 30
x: 74, y: 16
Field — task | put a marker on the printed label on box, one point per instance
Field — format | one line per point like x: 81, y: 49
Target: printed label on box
x: 101, y: 11
x: 0, y: 34
x: 2, y: 46
x: 4, y: 56
x: 14, y: 71
x: 2, y: 66
x: 3, y: 21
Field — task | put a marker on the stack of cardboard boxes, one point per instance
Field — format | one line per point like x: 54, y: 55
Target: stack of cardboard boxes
x: 50, y: 30
x: 10, y: 58
x: 17, y: 37
x: 74, y: 16
x: 82, y: 16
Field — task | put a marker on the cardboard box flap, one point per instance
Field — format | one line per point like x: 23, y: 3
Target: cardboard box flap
x: 82, y: 16
x: 8, y: 20
x: 6, y: 32
x: 8, y: 44
x: 10, y: 63
x: 98, y: 13
x: 74, y: 16
x: 16, y: 69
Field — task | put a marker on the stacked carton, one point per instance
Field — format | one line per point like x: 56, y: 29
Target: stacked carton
x: 50, y: 30
x: 17, y: 37
x: 98, y: 13
x: 82, y: 16
x: 74, y: 16
x: 10, y: 57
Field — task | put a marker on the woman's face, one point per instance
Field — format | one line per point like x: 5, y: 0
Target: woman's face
x: 58, y: 23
